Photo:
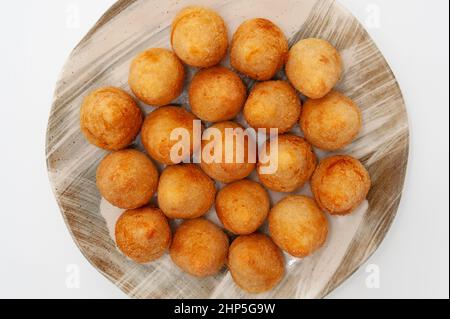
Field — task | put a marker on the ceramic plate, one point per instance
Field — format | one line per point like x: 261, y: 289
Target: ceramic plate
x: 103, y: 57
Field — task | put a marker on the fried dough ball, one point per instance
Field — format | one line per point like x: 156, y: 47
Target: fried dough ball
x: 332, y: 122
x: 298, y: 226
x: 242, y: 207
x: 199, y: 37
x: 110, y: 118
x: 143, y: 234
x: 259, y: 49
x: 231, y: 167
x: 127, y: 179
x: 273, y: 104
x: 217, y: 94
x: 156, y: 77
x: 296, y: 163
x: 185, y: 191
x: 314, y: 67
x: 340, y: 184
x: 256, y: 263
x: 199, y: 248
x: 158, y: 127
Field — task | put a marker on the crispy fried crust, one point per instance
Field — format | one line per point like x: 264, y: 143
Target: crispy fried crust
x: 298, y: 226
x: 199, y: 248
x: 185, y: 192
x: 110, y: 118
x: 296, y: 164
x: 273, y: 104
x: 127, y: 179
x: 143, y: 234
x: 340, y: 184
x: 314, y: 67
x: 259, y: 49
x: 228, y: 172
x: 242, y: 207
x: 199, y: 37
x: 217, y: 94
x: 256, y: 263
x: 332, y: 122
x: 156, y: 77
x: 158, y: 127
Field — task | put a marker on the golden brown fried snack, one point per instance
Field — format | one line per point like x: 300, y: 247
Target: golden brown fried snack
x: 143, y: 234
x: 314, y: 67
x: 298, y: 226
x: 340, y: 184
x: 273, y: 104
x: 296, y: 164
x: 256, y: 263
x: 232, y: 170
x: 158, y: 127
x: 199, y: 248
x: 217, y: 94
x: 199, y: 37
x: 110, y: 118
x: 259, y: 49
x: 156, y: 77
x: 332, y: 122
x: 185, y: 191
x: 242, y: 207
x: 127, y: 179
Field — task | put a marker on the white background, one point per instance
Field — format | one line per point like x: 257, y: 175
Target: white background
x: 36, y: 249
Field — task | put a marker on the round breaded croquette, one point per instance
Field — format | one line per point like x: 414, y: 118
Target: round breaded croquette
x: 256, y: 263
x: 332, y: 122
x: 199, y: 248
x: 217, y: 94
x: 242, y: 207
x: 298, y: 226
x: 127, y: 179
x: 156, y: 77
x: 227, y: 157
x: 199, y: 37
x: 290, y: 168
x: 259, y: 49
x: 340, y: 184
x: 143, y: 234
x: 273, y: 104
x: 110, y: 118
x: 185, y: 192
x: 314, y: 67
x: 158, y: 128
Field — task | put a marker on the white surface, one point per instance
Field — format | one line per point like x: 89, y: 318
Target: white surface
x: 39, y: 258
